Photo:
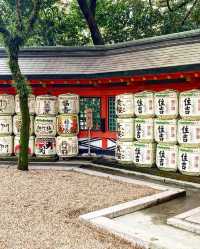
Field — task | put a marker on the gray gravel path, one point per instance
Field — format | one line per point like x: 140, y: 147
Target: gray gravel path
x: 40, y: 209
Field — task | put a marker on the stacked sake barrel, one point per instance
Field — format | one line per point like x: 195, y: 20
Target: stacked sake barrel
x: 17, y: 125
x: 165, y: 129
x: 125, y: 127
x: 7, y: 109
x: 45, y: 126
x: 144, y: 147
x: 67, y: 125
x: 189, y: 133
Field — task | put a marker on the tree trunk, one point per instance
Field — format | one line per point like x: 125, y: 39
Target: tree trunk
x: 23, y: 91
x: 92, y: 24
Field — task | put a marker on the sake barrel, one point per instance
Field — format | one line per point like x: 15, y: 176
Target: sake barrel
x: 68, y: 104
x: 45, y: 126
x: 189, y: 104
x: 189, y: 133
x: 67, y: 125
x: 17, y: 124
x: 189, y: 161
x: 165, y: 131
x: 31, y: 104
x: 125, y: 129
x: 6, y: 145
x: 144, y: 104
x: 144, y: 154
x: 125, y: 105
x: 67, y: 146
x: 45, y: 146
x: 124, y: 152
x: 46, y: 105
x: 31, y: 147
x: 144, y: 129
x: 6, y: 127
x: 167, y: 157
x: 166, y: 104
x: 7, y: 104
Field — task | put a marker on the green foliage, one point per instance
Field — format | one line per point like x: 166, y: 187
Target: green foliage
x: 118, y: 21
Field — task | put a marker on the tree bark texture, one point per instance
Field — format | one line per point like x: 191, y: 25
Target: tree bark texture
x: 23, y: 91
x: 91, y: 22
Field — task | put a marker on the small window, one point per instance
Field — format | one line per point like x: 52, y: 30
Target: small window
x: 111, y: 114
x: 95, y: 104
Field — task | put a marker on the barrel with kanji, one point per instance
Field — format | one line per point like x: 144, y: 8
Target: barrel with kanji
x: 46, y: 105
x: 189, y: 161
x: 166, y: 104
x: 7, y: 104
x: 144, y: 104
x: 67, y: 125
x: 167, y: 157
x: 67, y: 146
x: 144, y: 154
x: 6, y: 145
x: 125, y: 105
x: 45, y: 146
x: 68, y: 104
x: 45, y: 126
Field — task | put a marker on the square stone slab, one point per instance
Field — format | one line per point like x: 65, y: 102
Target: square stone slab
x: 195, y: 218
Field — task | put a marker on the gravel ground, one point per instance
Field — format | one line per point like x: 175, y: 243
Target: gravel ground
x: 40, y: 209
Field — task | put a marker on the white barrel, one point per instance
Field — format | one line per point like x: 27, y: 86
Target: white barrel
x: 165, y: 131
x: 31, y: 147
x: 189, y: 133
x: 166, y: 104
x: 17, y: 124
x: 124, y: 152
x: 125, y: 129
x: 67, y: 124
x: 144, y: 104
x: 45, y: 126
x: 7, y: 104
x: 125, y: 105
x: 45, y: 146
x: 167, y: 157
x: 31, y: 104
x: 189, y: 161
x: 189, y: 104
x: 144, y: 129
x: 68, y: 104
x: 46, y: 105
x: 67, y: 146
x: 6, y: 127
x: 144, y: 154
x: 6, y: 145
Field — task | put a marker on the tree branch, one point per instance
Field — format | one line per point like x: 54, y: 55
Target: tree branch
x: 19, y: 23
x: 93, y: 5
x: 169, y: 6
x: 150, y: 4
x: 189, y: 12
x: 34, y: 15
x: 5, y: 32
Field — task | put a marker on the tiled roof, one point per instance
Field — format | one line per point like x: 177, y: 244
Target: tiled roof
x: 168, y: 52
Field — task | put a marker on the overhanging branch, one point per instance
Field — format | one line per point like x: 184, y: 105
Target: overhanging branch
x: 93, y: 5
x: 34, y: 15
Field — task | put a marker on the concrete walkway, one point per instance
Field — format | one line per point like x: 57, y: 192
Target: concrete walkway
x: 146, y: 226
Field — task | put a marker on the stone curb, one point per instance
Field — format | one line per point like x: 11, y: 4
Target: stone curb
x: 103, y: 218
x: 133, y: 206
x: 181, y: 222
x: 152, y: 177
